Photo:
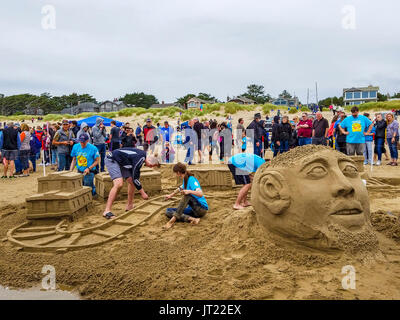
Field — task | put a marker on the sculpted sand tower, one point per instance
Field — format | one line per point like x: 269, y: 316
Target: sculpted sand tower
x: 314, y: 195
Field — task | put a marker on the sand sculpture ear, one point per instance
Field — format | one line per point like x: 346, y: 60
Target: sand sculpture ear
x: 274, y: 192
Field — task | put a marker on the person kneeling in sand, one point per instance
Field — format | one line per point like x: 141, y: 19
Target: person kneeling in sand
x: 242, y: 167
x: 193, y: 205
x: 125, y: 163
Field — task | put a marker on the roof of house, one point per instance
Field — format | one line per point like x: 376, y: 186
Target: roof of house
x: 200, y: 100
x: 244, y: 99
x: 164, y: 105
x: 361, y: 89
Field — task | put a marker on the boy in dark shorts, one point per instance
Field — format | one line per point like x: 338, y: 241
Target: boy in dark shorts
x: 125, y: 163
x: 242, y: 167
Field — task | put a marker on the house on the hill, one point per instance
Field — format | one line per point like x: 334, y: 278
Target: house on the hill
x: 196, y: 103
x: 286, y: 102
x: 360, y: 95
x: 80, y: 108
x: 33, y: 111
x: 113, y: 106
x: 165, y: 105
x: 242, y: 100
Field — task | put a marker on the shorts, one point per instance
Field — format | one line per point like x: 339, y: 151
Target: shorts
x: 116, y: 171
x: 241, y: 177
x: 355, y: 149
x: 10, y: 155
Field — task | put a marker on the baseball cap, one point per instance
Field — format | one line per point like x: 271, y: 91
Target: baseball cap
x: 148, y: 120
x: 83, y: 137
x: 257, y: 116
x: 65, y: 122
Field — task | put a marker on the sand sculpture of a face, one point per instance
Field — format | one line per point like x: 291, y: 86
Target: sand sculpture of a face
x: 313, y: 195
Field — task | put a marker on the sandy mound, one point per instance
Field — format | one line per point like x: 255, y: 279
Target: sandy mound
x: 227, y: 256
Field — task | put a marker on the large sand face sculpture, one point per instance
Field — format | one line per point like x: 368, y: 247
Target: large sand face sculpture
x: 313, y: 195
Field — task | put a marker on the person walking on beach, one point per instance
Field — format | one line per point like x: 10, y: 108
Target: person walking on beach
x: 125, y: 163
x: 242, y: 167
x: 193, y: 204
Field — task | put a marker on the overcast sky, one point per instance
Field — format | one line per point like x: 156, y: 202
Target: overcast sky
x: 172, y: 47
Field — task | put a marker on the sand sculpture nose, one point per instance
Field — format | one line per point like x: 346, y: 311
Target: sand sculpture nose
x: 341, y: 187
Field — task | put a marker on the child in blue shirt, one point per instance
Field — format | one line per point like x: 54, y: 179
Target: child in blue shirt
x: 193, y: 205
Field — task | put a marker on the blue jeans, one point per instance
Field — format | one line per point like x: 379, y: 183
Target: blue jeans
x: 63, y: 161
x: 284, y: 147
x: 53, y: 156
x: 32, y: 158
x: 102, y: 151
x: 394, y: 154
x: 379, y: 147
x: 18, y: 165
x: 88, y: 181
x: 257, y: 150
x: 368, y: 153
x: 304, y: 141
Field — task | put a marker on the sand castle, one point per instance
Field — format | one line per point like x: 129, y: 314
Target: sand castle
x: 150, y: 179
x: 60, y: 194
x: 219, y: 178
x: 313, y: 195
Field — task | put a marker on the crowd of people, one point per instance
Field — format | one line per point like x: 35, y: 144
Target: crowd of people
x: 123, y: 150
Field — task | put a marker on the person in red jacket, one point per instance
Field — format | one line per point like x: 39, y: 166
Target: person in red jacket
x: 39, y: 134
x: 304, y: 130
x: 150, y: 136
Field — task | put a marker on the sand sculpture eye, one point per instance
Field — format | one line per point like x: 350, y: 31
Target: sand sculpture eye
x: 317, y: 171
x: 349, y: 170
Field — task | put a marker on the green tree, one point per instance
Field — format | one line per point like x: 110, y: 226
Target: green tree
x: 206, y: 96
x: 257, y: 93
x: 331, y: 100
x: 382, y: 97
x: 285, y: 94
x: 140, y: 99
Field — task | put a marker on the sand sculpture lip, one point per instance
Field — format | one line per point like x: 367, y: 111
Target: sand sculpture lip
x: 347, y: 209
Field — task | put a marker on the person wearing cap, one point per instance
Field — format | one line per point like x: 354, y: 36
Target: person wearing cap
x: 256, y: 134
x: 243, y: 166
x: 63, y: 140
x: 99, y: 140
x: 125, y: 163
x: 86, y: 157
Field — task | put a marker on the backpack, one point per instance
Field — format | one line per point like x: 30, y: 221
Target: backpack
x: 35, y: 144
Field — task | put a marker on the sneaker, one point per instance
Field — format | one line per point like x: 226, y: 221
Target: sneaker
x: 365, y: 163
x: 378, y: 163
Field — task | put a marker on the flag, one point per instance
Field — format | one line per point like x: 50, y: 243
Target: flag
x: 201, y: 107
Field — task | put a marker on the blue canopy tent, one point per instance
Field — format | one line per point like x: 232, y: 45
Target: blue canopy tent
x: 91, y: 121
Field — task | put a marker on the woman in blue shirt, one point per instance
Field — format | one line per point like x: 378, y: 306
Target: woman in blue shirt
x: 193, y: 205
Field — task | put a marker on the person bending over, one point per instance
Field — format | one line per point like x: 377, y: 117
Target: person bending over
x: 125, y: 163
x: 193, y: 204
x: 242, y: 165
